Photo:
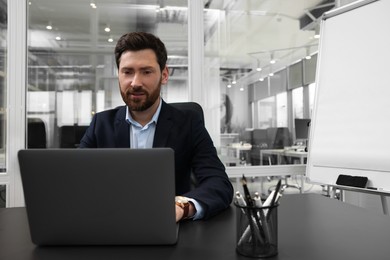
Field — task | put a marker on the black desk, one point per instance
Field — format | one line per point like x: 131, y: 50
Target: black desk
x: 310, y: 227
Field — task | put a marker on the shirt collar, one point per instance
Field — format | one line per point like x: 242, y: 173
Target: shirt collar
x: 154, y: 119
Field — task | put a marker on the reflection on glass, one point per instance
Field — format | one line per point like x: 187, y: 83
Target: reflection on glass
x: 281, y: 109
x: 3, y: 83
x: 71, y: 68
x: 297, y: 95
x: 2, y: 196
x: 267, y: 113
x: 312, y: 90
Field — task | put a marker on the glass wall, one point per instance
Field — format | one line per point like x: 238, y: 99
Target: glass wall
x: 265, y: 60
x: 3, y: 82
x: 257, y: 80
x: 3, y: 97
x: 71, y: 67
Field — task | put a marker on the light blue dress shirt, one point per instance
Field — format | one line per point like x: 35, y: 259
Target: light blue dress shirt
x: 143, y: 136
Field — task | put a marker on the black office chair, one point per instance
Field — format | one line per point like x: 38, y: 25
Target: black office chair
x: 192, y: 106
x: 36, y: 133
x: 70, y: 135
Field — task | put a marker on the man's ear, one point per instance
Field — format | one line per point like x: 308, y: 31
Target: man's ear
x: 164, y: 75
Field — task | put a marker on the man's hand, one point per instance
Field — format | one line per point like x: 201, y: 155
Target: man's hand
x: 180, y: 212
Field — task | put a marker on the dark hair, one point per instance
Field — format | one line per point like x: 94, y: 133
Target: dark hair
x: 136, y: 41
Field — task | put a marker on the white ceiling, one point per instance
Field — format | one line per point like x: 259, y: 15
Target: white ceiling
x: 246, y: 30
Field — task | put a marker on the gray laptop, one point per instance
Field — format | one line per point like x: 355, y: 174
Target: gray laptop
x: 100, y: 196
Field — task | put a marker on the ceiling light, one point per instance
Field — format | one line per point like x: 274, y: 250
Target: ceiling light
x: 272, y: 61
x: 234, y: 81
x: 271, y: 74
x: 242, y: 89
x: 58, y: 38
x: 229, y: 86
x: 93, y: 5
x: 107, y: 28
x: 48, y: 26
x: 261, y: 79
x: 308, y: 56
x: 317, y: 33
x: 110, y: 39
x: 258, y: 68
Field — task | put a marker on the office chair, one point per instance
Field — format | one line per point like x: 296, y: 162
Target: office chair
x: 192, y: 106
x: 36, y: 133
x: 195, y: 107
x: 70, y: 135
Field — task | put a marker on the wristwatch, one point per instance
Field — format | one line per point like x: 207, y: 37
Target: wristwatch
x: 183, y: 203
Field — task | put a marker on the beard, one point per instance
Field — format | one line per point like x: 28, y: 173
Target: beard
x: 143, y: 103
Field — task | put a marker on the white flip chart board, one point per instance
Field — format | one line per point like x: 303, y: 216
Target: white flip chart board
x: 350, y: 127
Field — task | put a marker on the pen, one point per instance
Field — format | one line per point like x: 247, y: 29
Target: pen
x: 248, y: 197
x: 275, y: 195
x: 240, y: 200
x: 252, y: 211
x: 267, y: 202
x: 257, y: 200
x: 263, y: 219
x: 278, y: 185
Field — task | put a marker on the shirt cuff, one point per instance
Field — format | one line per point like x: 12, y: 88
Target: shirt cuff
x: 199, y: 214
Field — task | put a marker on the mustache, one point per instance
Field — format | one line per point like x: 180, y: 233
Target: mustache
x: 135, y: 91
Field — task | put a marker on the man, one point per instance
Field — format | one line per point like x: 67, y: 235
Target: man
x: 147, y: 121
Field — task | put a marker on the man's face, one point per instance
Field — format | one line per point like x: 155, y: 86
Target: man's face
x: 140, y: 79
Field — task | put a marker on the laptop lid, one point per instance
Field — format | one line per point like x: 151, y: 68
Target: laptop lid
x: 99, y: 196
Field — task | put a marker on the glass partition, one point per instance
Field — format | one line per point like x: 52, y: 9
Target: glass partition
x: 258, y: 49
x: 2, y: 196
x: 72, y: 72
x: 71, y: 67
x: 3, y: 99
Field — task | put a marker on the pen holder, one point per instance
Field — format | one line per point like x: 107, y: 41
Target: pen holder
x: 257, y: 230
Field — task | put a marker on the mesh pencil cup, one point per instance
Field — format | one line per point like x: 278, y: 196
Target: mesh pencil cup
x: 257, y: 230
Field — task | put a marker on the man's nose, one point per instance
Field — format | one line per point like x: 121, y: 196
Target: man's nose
x: 137, y: 80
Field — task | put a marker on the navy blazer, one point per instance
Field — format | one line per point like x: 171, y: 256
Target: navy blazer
x: 184, y: 132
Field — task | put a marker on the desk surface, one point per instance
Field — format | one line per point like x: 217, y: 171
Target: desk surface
x: 310, y: 227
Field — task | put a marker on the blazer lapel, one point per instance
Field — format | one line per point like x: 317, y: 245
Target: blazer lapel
x: 164, y: 125
x: 122, y: 129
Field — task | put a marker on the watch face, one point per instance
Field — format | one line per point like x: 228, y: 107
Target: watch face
x: 180, y: 199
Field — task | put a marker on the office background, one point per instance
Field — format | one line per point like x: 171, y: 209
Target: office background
x: 250, y: 64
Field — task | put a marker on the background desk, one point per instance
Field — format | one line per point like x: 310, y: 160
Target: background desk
x: 302, y: 156
x: 310, y: 227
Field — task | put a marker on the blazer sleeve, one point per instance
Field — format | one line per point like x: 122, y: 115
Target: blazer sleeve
x: 214, y: 189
